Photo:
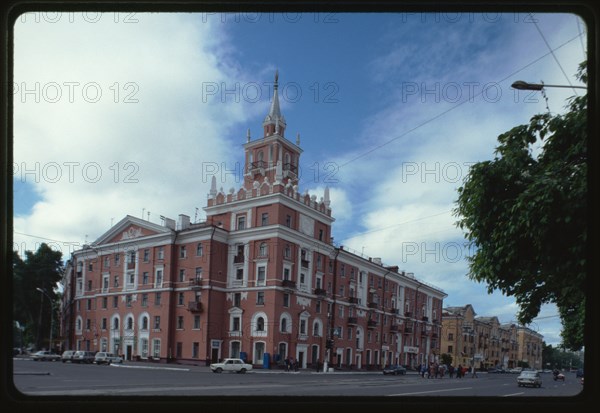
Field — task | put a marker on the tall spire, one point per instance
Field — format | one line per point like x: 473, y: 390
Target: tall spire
x: 274, y: 118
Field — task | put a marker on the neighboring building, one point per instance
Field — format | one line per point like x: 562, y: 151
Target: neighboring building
x: 485, y: 343
x: 260, y: 279
x: 530, y: 344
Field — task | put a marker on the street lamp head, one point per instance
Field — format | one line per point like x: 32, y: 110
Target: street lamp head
x: 521, y: 85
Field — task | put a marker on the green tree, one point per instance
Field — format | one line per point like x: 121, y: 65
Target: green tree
x: 446, y: 359
x: 524, y: 214
x: 40, y: 269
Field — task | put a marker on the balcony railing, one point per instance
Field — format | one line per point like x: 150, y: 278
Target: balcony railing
x: 195, y: 307
x: 394, y: 311
x: 195, y: 282
x: 320, y: 291
x: 288, y: 284
x: 373, y: 305
x: 353, y: 300
x: 425, y: 318
x: 304, y: 263
x: 238, y: 259
x: 394, y: 327
x: 408, y: 330
x: 131, y: 265
x: 258, y: 166
x: 371, y: 323
x: 352, y: 320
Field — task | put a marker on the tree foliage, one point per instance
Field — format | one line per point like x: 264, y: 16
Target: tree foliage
x: 524, y: 214
x: 40, y: 269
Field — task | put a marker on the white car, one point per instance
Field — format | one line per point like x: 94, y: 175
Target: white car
x: 103, y: 357
x: 45, y: 356
x: 236, y: 365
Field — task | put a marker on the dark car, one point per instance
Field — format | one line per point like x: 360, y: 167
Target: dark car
x: 394, y: 370
x: 496, y: 370
x: 579, y: 373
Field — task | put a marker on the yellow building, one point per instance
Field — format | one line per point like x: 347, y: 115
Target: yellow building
x: 529, y: 347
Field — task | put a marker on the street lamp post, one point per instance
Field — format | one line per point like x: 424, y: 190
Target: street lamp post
x: 51, y: 315
x: 522, y: 85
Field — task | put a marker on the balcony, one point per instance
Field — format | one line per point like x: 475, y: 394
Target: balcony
x: 320, y: 292
x: 195, y: 307
x: 434, y: 335
x: 394, y: 328
x: 407, y: 314
x: 394, y: 311
x: 425, y: 318
x: 353, y: 300
x: 131, y: 265
x: 373, y: 305
x: 352, y: 320
x: 290, y: 170
x: 304, y: 263
x: 238, y: 259
x: 371, y: 324
x: 195, y: 283
x: 258, y: 167
x: 288, y: 284
x: 408, y: 330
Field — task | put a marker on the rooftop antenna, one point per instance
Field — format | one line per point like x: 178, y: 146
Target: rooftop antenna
x: 148, y: 215
x: 143, y: 209
x: 196, y: 216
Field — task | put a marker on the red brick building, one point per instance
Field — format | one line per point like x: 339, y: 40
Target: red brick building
x: 261, y: 279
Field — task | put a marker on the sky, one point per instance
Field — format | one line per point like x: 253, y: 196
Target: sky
x: 121, y: 114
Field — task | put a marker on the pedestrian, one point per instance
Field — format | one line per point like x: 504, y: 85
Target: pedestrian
x: 295, y: 364
x: 459, y: 372
x: 451, y: 371
x: 287, y: 364
x: 473, y: 372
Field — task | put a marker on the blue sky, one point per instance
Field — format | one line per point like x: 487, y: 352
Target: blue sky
x: 120, y: 114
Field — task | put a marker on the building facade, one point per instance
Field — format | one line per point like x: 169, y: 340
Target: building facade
x: 484, y: 342
x: 260, y: 279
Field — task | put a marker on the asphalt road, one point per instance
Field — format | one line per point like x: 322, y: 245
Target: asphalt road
x: 33, y: 379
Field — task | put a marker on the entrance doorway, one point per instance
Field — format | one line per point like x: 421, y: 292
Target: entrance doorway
x: 214, y: 355
x: 128, y: 352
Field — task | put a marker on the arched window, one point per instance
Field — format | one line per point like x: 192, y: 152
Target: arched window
x: 263, y: 249
x: 129, y: 323
x: 284, y: 325
x: 317, y: 330
x: 260, y: 156
x: 260, y: 324
x: 115, y: 324
x: 145, y: 323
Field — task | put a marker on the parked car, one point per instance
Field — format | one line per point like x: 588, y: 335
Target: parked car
x: 496, y: 370
x: 394, y: 370
x: 529, y: 378
x: 229, y: 364
x: 45, y: 356
x: 67, y: 356
x: 83, y: 357
x: 516, y: 370
x: 103, y: 357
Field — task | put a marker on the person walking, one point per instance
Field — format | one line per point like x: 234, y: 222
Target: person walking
x: 459, y: 372
x: 473, y: 372
x: 451, y: 371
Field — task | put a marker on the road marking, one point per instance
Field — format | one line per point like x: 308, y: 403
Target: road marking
x: 514, y: 394
x: 430, y: 391
x: 148, y: 368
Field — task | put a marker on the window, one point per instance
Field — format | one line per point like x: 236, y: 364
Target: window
x: 287, y: 252
x: 302, y: 278
x: 283, y: 326
x: 105, y: 282
x: 146, y: 255
x: 199, y: 250
x: 156, y: 348
x: 319, y: 262
x: 235, y: 324
x: 180, y: 298
x: 157, y: 322
x: 104, y: 323
x: 264, y: 219
x: 342, y: 270
x: 241, y: 222
x: 145, y: 323
x: 260, y: 298
x: 262, y: 252
x: 78, y: 324
x: 157, y: 298
x: 161, y: 253
x: 317, y: 330
x: 318, y: 307
x: 89, y: 304
x: 90, y: 267
x: 115, y: 324
x: 145, y: 277
x: 181, y: 275
x: 158, y: 279
x: 180, y: 322
x: 128, y: 300
x: 286, y: 273
x: 237, y: 298
x: 286, y: 300
x: 131, y: 257
x: 260, y: 324
x: 303, y: 326
x: 288, y: 221
x: 89, y: 285
x: 196, y: 322
x: 106, y: 261
x: 320, y: 235
x: 239, y: 274
x: 450, y: 336
x: 195, y: 350
x: 144, y: 347
x: 261, y: 276
x: 132, y: 278
x: 129, y: 323
x: 88, y: 324
x: 117, y: 259
x: 115, y: 301
x: 182, y: 252
x: 116, y: 282
x: 104, y: 302
x: 198, y: 273
x: 349, y: 333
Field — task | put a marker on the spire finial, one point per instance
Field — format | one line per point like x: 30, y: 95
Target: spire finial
x: 276, y: 78
x: 298, y: 139
x: 248, y: 135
